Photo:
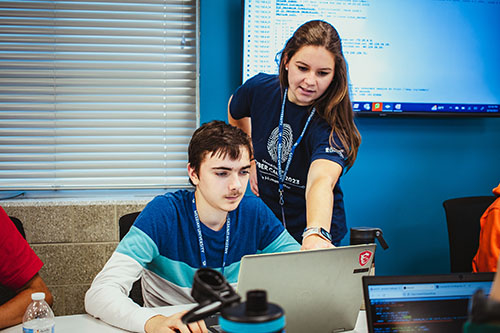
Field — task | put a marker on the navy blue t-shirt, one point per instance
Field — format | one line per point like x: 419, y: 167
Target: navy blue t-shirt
x: 260, y: 98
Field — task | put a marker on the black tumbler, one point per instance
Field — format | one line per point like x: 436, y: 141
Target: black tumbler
x: 367, y: 235
x: 213, y: 293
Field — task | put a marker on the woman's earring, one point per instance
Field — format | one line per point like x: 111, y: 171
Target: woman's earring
x: 286, y: 68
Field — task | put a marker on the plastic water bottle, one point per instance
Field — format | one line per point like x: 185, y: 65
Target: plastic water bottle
x: 38, y: 317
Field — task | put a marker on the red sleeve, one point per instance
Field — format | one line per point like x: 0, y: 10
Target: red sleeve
x: 19, y: 263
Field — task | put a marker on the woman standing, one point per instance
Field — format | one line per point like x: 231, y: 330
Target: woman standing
x: 303, y: 134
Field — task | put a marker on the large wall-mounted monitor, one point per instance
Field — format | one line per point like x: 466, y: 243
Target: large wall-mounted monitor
x: 406, y: 57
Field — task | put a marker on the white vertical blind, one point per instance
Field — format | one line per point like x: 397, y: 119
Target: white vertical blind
x: 97, y: 94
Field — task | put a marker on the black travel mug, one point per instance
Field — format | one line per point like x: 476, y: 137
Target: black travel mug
x: 367, y: 235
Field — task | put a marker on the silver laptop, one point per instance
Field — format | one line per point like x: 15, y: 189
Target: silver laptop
x: 320, y: 290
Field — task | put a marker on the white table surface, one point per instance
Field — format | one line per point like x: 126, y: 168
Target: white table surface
x: 84, y: 323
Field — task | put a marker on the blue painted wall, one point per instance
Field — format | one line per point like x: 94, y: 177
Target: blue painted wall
x: 221, y: 47
x: 405, y: 168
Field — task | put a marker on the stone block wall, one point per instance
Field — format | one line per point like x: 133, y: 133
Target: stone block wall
x: 74, y: 239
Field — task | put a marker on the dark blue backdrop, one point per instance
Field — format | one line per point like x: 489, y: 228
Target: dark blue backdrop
x: 405, y: 168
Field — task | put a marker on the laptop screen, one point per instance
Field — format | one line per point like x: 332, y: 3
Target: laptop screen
x: 431, y: 303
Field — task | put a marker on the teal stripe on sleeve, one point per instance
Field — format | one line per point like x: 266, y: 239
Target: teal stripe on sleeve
x: 231, y: 272
x: 283, y: 243
x: 176, y: 272
x: 139, y: 246
x: 181, y: 274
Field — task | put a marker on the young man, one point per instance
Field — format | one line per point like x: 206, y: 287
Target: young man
x: 19, y: 278
x: 179, y: 232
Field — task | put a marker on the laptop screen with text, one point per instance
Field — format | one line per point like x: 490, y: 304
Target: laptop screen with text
x: 432, y: 303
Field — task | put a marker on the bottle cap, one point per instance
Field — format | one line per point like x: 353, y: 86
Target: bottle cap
x: 256, y: 310
x: 38, y: 296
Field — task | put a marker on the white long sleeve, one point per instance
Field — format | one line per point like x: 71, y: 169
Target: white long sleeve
x: 108, y: 299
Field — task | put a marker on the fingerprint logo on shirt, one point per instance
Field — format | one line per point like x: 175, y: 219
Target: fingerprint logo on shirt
x: 272, y: 143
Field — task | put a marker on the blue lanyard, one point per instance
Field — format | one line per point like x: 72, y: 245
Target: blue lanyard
x: 282, y: 175
x: 200, y: 238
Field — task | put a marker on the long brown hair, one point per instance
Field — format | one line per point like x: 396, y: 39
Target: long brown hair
x: 335, y: 104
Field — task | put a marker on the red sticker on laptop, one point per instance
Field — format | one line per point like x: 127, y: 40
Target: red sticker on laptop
x: 364, y: 257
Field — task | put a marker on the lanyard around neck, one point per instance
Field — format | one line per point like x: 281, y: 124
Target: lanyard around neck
x: 200, y: 237
x: 282, y: 175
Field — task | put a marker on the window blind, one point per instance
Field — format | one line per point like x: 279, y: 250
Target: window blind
x: 97, y: 94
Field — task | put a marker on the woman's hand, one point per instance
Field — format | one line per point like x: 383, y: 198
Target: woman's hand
x: 173, y: 324
x: 312, y: 242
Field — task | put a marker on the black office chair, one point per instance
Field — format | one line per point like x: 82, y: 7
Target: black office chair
x: 124, y: 223
x: 462, y: 219
x: 19, y: 225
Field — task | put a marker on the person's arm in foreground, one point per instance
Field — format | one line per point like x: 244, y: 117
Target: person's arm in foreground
x: 107, y: 299
x: 495, y: 288
x: 321, y: 179
x: 245, y: 125
x: 11, y: 312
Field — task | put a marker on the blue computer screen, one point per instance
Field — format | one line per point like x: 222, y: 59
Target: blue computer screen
x: 423, y: 307
x: 404, y: 56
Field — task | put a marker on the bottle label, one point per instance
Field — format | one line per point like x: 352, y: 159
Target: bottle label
x: 39, y: 330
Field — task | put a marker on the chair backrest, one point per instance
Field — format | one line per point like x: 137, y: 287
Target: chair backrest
x: 124, y: 223
x: 19, y: 225
x: 462, y: 218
